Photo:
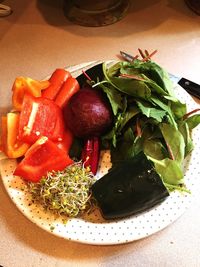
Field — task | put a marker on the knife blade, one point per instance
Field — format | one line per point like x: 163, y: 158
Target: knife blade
x: 191, y: 87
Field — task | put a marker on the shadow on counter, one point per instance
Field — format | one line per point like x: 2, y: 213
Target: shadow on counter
x: 143, y: 16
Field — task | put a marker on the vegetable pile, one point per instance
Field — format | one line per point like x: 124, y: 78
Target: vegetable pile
x: 35, y: 128
x: 58, y: 128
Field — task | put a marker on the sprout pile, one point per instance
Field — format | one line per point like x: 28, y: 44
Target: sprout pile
x: 66, y: 192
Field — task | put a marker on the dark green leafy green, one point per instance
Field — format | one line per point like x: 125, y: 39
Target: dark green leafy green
x: 122, y: 193
x: 147, y: 117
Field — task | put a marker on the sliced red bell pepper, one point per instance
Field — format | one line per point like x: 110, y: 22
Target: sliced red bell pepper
x: 40, y: 117
x: 11, y: 146
x: 69, y: 87
x: 66, y: 142
x: 24, y: 85
x: 42, y: 156
x: 56, y: 80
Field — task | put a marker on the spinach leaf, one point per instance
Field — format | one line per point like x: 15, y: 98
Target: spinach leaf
x: 179, y: 109
x: 185, y: 131
x: 165, y: 107
x: 155, y: 149
x: 127, y: 147
x: 174, y: 141
x: 115, y: 98
x: 170, y: 170
x: 131, y: 87
x: 193, y: 121
x: 160, y: 76
x: 151, y: 112
x: 120, y: 122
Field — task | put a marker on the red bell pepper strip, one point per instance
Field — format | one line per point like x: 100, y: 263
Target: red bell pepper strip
x: 23, y: 85
x: 11, y: 146
x: 42, y: 156
x: 69, y: 87
x: 90, y: 154
x: 56, y: 80
x: 40, y: 117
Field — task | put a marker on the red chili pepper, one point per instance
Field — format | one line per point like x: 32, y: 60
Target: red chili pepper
x: 90, y: 154
x: 95, y: 155
x: 56, y: 80
x: 69, y: 87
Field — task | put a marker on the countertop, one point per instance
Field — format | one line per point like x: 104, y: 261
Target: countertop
x: 35, y: 40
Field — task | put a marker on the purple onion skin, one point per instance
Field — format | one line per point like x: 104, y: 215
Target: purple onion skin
x: 88, y: 113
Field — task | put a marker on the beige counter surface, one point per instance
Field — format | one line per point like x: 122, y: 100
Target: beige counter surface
x: 35, y: 40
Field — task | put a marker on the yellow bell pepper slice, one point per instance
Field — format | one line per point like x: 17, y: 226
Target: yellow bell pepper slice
x: 10, y: 145
x: 24, y: 85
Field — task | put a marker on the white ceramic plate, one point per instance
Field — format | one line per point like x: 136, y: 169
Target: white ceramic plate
x: 93, y: 229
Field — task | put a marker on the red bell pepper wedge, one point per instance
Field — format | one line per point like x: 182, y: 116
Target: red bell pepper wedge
x: 40, y: 117
x: 43, y: 156
x: 68, y: 89
x: 58, y: 77
x: 66, y: 142
x: 23, y: 85
x: 90, y: 154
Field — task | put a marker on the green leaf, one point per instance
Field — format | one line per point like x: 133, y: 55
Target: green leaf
x: 193, y: 121
x: 151, y: 112
x: 131, y: 87
x: 125, y: 85
x: 174, y: 141
x: 170, y: 171
x: 127, y: 148
x: 120, y: 122
x: 161, y: 77
x: 154, y: 149
x: 179, y: 109
x: 115, y: 98
x: 165, y: 107
x: 185, y: 131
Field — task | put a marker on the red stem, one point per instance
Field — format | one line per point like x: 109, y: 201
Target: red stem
x: 190, y: 113
x: 170, y: 151
x: 86, y: 75
x: 149, y: 56
x: 131, y: 76
x: 138, y: 128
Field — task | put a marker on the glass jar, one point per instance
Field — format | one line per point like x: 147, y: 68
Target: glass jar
x: 194, y: 5
x: 95, y: 13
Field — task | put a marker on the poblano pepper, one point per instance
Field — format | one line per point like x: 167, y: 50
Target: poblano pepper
x: 128, y: 188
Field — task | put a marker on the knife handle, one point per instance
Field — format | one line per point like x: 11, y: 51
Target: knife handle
x: 191, y: 87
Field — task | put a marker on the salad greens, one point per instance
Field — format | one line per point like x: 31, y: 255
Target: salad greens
x: 147, y: 117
